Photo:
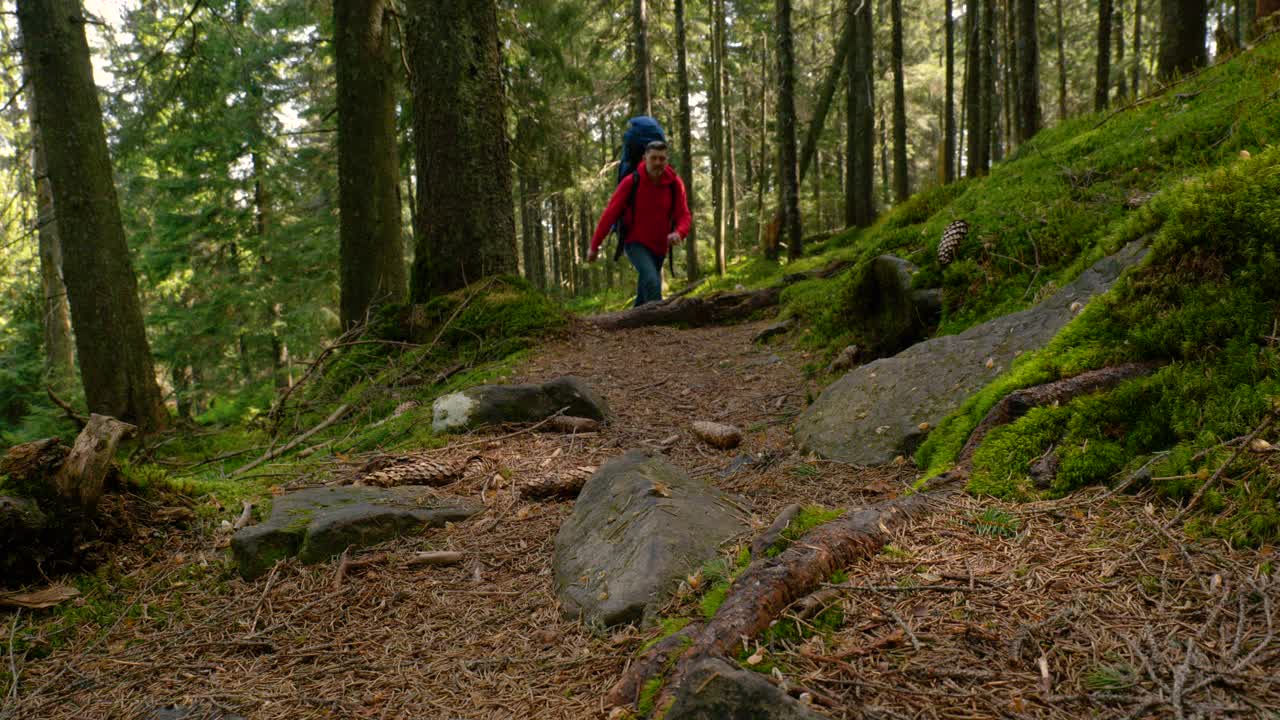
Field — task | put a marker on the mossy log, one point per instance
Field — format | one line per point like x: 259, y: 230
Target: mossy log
x: 769, y: 585
x: 714, y: 309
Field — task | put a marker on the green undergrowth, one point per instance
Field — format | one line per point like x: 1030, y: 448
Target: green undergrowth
x: 1204, y: 306
x: 472, y: 336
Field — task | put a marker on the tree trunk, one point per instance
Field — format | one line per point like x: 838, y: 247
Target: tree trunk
x: 1182, y: 47
x: 686, y: 139
x: 987, y: 86
x: 715, y: 130
x: 1117, y: 35
x: 730, y: 163
x: 1062, y: 67
x: 1028, y: 71
x: 860, y: 208
x: 949, y: 103
x: 973, y: 84
x: 372, y: 249
x: 1137, y: 48
x: 762, y: 175
x: 640, y: 93
x: 59, y: 360
x: 901, y: 181
x: 1102, y: 80
x: 787, y: 165
x: 111, y: 342
x: 466, y: 225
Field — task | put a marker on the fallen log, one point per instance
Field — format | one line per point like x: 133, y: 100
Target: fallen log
x: 769, y: 585
x: 713, y: 309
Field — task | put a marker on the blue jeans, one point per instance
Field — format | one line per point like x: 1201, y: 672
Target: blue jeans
x: 649, y: 267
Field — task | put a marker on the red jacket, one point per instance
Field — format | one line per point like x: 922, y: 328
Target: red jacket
x: 648, y: 221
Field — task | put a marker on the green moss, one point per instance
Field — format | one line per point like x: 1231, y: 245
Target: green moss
x: 809, y: 517
x: 648, y: 696
x: 713, y: 598
x: 667, y: 627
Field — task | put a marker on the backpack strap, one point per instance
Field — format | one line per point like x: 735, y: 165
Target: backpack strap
x: 629, y: 207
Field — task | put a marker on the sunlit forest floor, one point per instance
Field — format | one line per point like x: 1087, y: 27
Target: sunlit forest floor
x: 1084, y: 606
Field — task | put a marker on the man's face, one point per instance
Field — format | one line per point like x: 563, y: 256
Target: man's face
x: 655, y: 161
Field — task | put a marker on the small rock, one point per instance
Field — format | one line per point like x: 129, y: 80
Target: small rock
x: 717, y: 435
x: 774, y: 329
x: 1076, y: 307
x: 717, y: 690
x: 844, y: 360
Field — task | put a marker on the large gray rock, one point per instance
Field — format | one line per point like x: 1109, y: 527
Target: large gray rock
x: 640, y: 525
x: 717, y: 690
x: 884, y: 409
x: 497, y: 404
x: 319, y: 523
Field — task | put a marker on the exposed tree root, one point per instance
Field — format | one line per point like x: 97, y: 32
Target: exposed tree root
x: 769, y: 585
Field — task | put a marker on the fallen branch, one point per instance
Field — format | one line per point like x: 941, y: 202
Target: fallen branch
x: 273, y: 454
x: 245, y: 515
x: 437, y: 557
x: 71, y: 413
x: 346, y: 565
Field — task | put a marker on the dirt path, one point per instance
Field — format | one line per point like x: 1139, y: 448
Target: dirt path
x: 951, y: 621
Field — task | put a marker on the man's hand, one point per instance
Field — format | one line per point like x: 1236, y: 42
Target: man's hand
x: 673, y: 239
x: 592, y: 255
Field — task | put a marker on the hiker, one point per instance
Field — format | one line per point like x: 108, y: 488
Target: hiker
x: 652, y: 214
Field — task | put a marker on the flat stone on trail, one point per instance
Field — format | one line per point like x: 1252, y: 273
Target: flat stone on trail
x: 883, y: 409
x: 497, y: 404
x: 317, y: 524
x: 717, y: 690
x: 639, y: 526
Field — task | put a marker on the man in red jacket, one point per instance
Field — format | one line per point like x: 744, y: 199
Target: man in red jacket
x: 655, y: 217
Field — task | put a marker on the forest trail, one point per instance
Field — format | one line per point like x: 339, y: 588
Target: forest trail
x: 982, y: 610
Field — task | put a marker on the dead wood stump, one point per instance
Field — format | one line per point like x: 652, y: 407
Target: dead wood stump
x: 82, y: 475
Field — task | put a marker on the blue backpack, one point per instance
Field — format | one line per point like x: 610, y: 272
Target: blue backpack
x: 641, y: 130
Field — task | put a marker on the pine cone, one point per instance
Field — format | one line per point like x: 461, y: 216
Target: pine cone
x: 420, y: 471
x: 567, y: 484
x: 951, y: 239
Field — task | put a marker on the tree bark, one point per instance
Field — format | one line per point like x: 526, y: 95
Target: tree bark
x: 901, y: 181
x: 1102, y: 79
x: 973, y: 84
x: 949, y: 103
x: 59, y: 360
x: 1117, y: 31
x: 715, y: 131
x: 860, y: 208
x: 372, y: 249
x: 1182, y: 46
x: 466, y: 225
x: 686, y: 139
x: 640, y: 92
x: 787, y: 165
x: 115, y: 359
x: 1028, y: 71
x: 1137, y: 48
x: 987, y: 87
x: 1062, y: 66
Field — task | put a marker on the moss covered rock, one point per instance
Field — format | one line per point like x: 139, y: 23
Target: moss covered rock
x: 497, y: 404
x: 317, y: 524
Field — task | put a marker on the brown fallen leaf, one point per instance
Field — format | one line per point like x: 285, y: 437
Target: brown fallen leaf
x: 48, y: 597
